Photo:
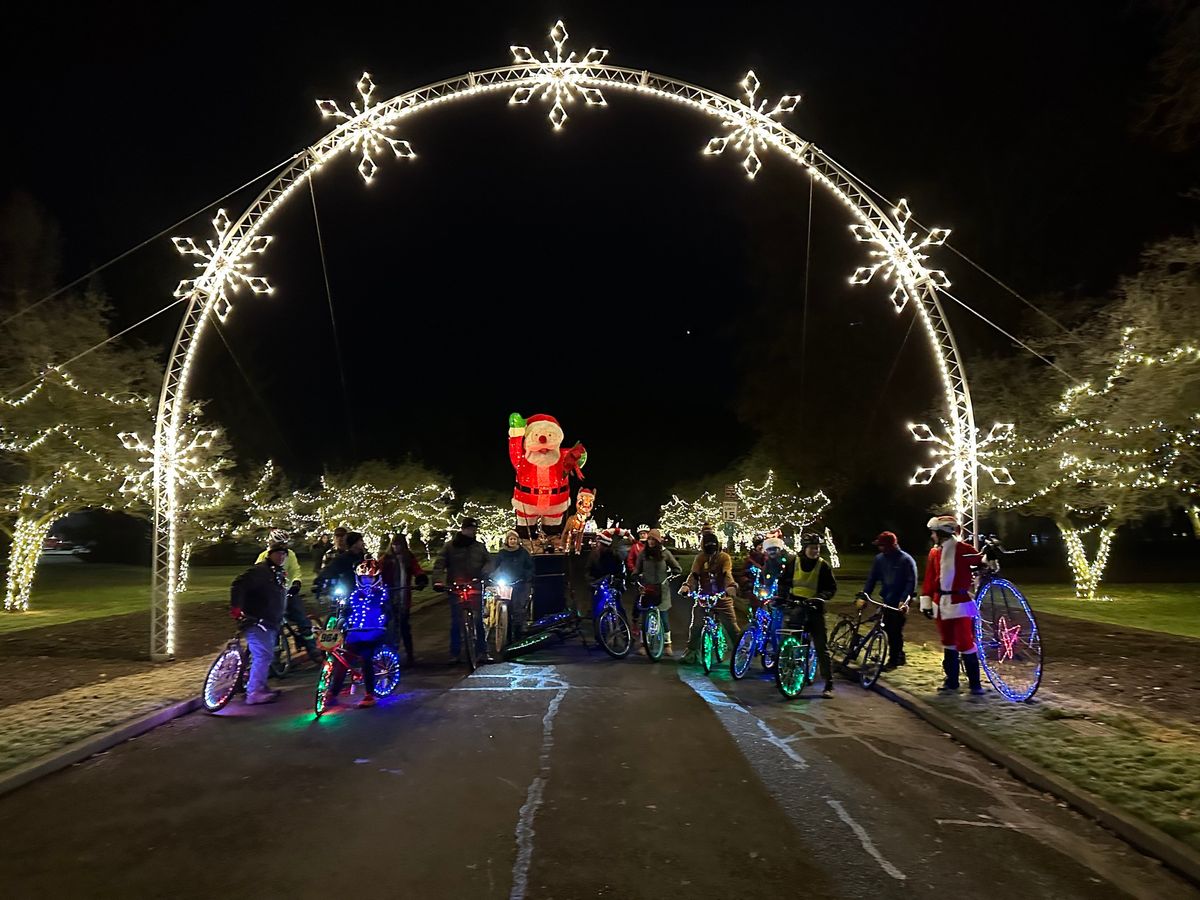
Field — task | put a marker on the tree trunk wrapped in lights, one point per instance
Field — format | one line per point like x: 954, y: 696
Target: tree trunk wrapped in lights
x: 1087, y: 572
x: 28, y: 536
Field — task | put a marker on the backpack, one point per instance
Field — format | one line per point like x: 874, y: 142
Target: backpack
x: 237, y: 590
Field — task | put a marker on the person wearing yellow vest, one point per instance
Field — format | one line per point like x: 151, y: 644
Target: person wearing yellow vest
x: 812, y: 579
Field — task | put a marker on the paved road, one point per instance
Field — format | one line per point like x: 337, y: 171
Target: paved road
x: 572, y: 776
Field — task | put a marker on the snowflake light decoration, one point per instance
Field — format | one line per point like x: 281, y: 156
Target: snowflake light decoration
x: 750, y: 130
x: 955, y: 453
x: 904, y: 255
x: 369, y: 132
x: 559, y: 76
x: 188, y: 461
x: 225, y: 268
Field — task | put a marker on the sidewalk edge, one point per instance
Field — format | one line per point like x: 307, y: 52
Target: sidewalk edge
x: 1141, y: 835
x: 58, y: 759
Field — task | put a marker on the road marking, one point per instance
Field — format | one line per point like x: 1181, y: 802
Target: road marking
x: 533, y: 799
x: 865, y: 840
x: 976, y: 824
x: 515, y: 678
x: 783, y: 744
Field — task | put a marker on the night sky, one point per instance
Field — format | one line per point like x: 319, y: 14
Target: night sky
x: 513, y: 268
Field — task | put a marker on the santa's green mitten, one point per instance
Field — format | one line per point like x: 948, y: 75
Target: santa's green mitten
x: 516, y: 420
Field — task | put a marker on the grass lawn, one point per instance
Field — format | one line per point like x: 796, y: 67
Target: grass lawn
x: 70, y: 590
x: 1142, y: 766
x: 1170, y: 608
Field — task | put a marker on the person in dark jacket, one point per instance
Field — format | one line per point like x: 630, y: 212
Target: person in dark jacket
x: 607, y: 560
x: 337, y: 576
x: 401, y: 572
x: 464, y: 559
x: 513, y: 565
x: 318, y: 550
x: 896, y: 573
x: 366, y: 624
x: 339, y: 546
x: 259, y: 596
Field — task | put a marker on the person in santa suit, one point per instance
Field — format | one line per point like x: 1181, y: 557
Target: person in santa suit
x: 542, y: 490
x: 946, y: 590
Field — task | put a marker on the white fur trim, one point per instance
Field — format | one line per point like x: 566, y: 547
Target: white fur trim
x: 926, y: 603
x: 516, y: 432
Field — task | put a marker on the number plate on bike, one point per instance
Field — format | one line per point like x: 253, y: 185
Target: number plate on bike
x: 329, y: 639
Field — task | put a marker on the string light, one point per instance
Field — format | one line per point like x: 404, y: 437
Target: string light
x: 835, y: 561
x: 494, y: 522
x: 750, y: 128
x: 366, y: 131
x: 559, y: 76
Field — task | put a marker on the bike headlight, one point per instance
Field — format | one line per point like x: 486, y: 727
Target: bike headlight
x: 503, y: 582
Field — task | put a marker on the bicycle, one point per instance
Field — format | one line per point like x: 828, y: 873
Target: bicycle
x: 653, y: 625
x: 1007, y: 637
x: 713, y: 642
x: 496, y: 600
x: 611, y: 629
x: 560, y: 624
x: 796, y: 665
x: 281, y: 662
x: 332, y: 640
x: 228, y: 672
x: 760, y: 637
x: 847, y: 640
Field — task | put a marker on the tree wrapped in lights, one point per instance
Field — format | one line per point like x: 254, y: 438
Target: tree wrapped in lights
x: 683, y: 519
x: 761, y: 508
x: 271, y: 502
x: 61, y: 450
x: 495, y: 520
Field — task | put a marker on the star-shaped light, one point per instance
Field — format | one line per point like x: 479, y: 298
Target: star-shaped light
x: 751, y: 128
x: 905, y: 254
x: 955, y: 454
x: 559, y: 76
x: 369, y: 132
x: 1009, y: 636
x: 225, y: 268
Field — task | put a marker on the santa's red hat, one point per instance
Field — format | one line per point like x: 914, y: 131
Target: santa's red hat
x: 542, y: 417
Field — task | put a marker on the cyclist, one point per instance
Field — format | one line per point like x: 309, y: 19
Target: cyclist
x: 605, y: 561
x: 338, y: 546
x: 992, y: 551
x: 712, y: 573
x: 656, y: 566
x: 295, y: 605
x: 463, y: 559
x: 755, y: 558
x: 946, y: 590
x: 513, y: 565
x: 337, y: 575
x: 636, y: 548
x: 896, y: 574
x: 400, y: 571
x: 813, y: 579
x: 366, y: 626
x: 259, y: 595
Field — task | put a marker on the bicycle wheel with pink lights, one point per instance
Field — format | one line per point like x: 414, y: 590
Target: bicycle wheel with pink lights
x: 1010, y: 645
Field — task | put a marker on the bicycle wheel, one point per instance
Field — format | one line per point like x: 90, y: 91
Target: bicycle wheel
x: 387, y: 671
x: 612, y: 631
x: 281, y: 662
x: 223, y: 679
x: 743, y: 654
x: 810, y: 674
x: 708, y: 650
x: 652, y: 634
x: 528, y: 644
x: 770, y: 652
x: 470, y: 639
x: 321, y: 701
x: 874, y: 658
x: 840, y: 638
x: 1010, y: 646
x: 792, y: 665
x: 497, y: 633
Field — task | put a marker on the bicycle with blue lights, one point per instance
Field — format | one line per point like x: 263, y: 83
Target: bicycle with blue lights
x: 761, y: 637
x: 331, y: 640
x: 1007, y: 636
x: 653, y: 621
x: 796, y: 666
x: 608, y: 618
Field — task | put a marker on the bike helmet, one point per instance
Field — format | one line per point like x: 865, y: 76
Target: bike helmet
x: 643, y: 529
x: 943, y: 524
x: 278, y: 536
x: 368, y: 573
x: 812, y: 539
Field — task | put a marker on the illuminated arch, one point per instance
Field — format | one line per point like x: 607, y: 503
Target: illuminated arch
x: 896, y: 255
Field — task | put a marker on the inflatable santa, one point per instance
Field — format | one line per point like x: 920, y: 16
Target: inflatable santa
x: 542, y: 490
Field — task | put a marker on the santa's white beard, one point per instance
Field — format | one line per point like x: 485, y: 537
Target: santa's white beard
x: 543, y: 458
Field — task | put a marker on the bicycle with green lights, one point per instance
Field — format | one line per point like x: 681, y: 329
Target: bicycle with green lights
x: 713, y: 642
x: 331, y: 640
x: 796, y: 666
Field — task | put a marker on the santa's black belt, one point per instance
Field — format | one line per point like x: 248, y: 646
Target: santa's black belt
x: 542, y: 491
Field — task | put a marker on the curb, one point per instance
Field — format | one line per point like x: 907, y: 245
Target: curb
x: 1141, y: 835
x: 80, y: 750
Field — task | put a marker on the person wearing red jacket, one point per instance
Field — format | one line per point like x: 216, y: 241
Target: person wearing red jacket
x: 946, y: 589
x: 636, y: 548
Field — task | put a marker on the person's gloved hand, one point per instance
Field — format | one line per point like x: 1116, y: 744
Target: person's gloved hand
x: 516, y: 420
x: 235, y: 612
x: 731, y: 591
